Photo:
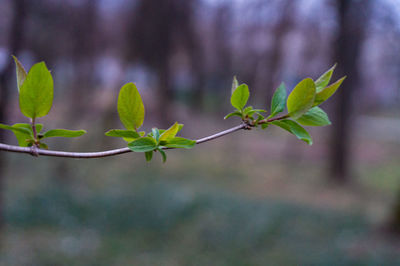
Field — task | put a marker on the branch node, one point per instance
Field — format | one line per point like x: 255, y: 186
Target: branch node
x: 247, y: 126
x: 34, y: 151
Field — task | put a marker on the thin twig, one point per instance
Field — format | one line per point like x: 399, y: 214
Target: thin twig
x: 100, y: 154
x: 33, y: 123
x: 273, y: 119
x: 35, y: 146
x: 222, y: 133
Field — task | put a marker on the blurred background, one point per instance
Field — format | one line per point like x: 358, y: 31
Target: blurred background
x: 250, y: 198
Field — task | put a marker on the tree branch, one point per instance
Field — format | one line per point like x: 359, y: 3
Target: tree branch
x: 89, y: 155
x: 100, y: 154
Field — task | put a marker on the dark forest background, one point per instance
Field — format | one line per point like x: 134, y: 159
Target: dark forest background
x: 252, y: 198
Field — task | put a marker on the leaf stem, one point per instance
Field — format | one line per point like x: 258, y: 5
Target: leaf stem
x: 33, y: 122
x: 274, y: 119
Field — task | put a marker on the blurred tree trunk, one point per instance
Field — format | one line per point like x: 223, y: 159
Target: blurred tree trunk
x: 352, y: 16
x: 223, y: 19
x: 154, y: 32
x: 84, y: 51
x: 198, y: 72
x: 196, y: 56
x: 394, y: 218
x: 165, y: 94
x: 275, y: 55
x: 15, y: 41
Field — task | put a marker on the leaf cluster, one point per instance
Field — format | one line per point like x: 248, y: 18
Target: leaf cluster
x: 35, y: 90
x: 240, y: 96
x: 131, y: 112
x: 302, y: 105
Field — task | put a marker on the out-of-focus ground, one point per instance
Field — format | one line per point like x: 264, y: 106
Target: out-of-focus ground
x: 251, y: 198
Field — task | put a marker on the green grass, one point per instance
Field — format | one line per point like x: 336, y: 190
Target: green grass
x: 168, y: 223
x: 201, y: 208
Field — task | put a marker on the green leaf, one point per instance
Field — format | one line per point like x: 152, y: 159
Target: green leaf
x: 324, y: 79
x: 43, y: 146
x: 259, y: 118
x: 22, y: 133
x: 148, y: 155
x: 295, y: 129
x: 235, y: 84
x: 265, y: 125
x: 301, y: 98
x: 38, y: 126
x: 314, y: 117
x: 179, y: 142
x: 21, y: 73
x: 122, y: 133
x: 278, y: 100
x: 170, y: 132
x: 24, y: 138
x: 65, y: 133
x: 327, y: 92
x: 251, y: 113
x: 156, y: 134
x: 21, y: 130
x: 164, y: 156
x: 144, y: 144
x: 180, y: 127
x: 130, y: 107
x: 36, y: 93
x: 237, y: 113
x: 260, y: 110
x: 240, y: 97
x: 247, y: 110
x: 30, y: 143
x: 130, y: 139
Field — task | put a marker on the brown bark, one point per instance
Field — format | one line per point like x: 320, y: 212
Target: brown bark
x: 352, y: 17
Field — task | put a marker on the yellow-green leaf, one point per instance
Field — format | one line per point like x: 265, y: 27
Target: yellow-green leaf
x: 24, y: 138
x: 327, y: 92
x: 122, y: 133
x: 21, y: 132
x: 301, y: 98
x: 240, y: 97
x: 130, y: 107
x: 324, y: 79
x: 170, y: 132
x: 65, y: 133
x: 36, y: 93
x: 179, y: 142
